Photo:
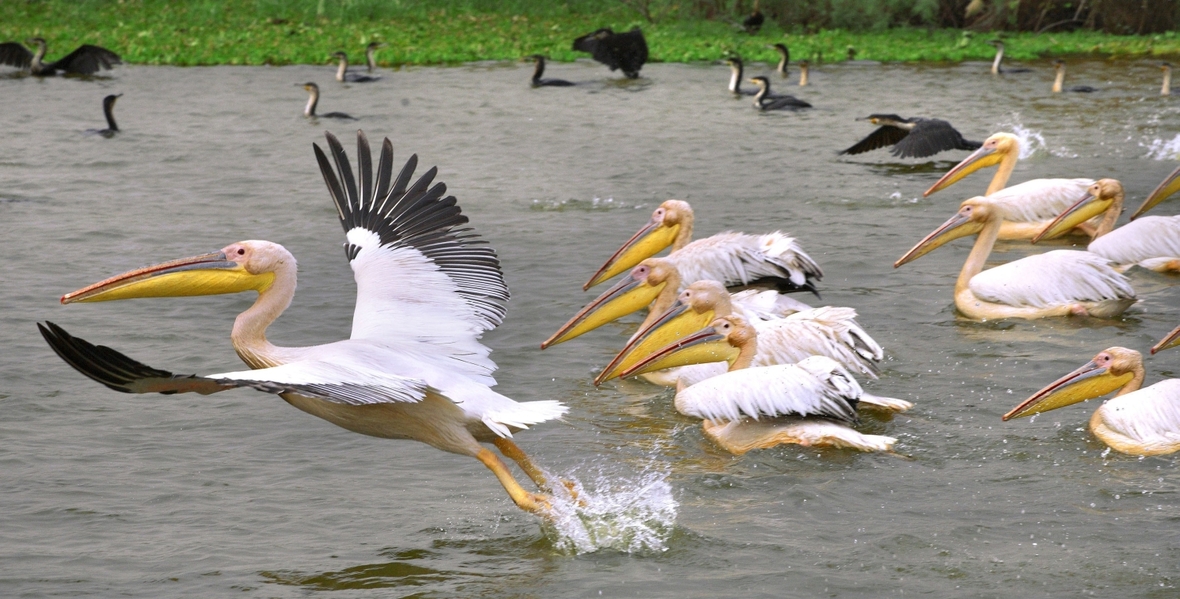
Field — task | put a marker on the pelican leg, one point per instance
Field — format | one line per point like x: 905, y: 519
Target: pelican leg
x: 529, y: 502
x: 513, y: 452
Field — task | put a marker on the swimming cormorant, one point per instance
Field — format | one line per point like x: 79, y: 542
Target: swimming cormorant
x: 784, y: 58
x: 108, y: 110
x: 1166, y: 88
x: 1060, y: 66
x: 370, y: 50
x: 85, y: 60
x: 997, y: 67
x: 764, y: 101
x: 754, y: 22
x: 309, y: 111
x: 626, y: 51
x: 915, y: 137
x: 342, y: 73
x: 803, y: 67
x: 735, y: 77
x: 539, y: 69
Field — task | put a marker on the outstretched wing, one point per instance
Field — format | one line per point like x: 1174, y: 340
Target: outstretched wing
x: 87, y: 60
x: 883, y: 136
x: 310, y: 379
x: 929, y: 137
x: 14, y: 54
x: 420, y: 275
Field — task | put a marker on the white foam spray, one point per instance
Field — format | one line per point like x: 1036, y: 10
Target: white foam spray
x: 628, y: 514
x: 1163, y: 149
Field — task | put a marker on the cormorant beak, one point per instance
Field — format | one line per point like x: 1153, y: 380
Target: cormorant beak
x: 1082, y: 211
x: 1171, y: 340
x: 701, y: 347
x: 981, y: 158
x: 959, y: 225
x: 653, y: 237
x: 627, y: 296
x: 679, y: 321
x: 1165, y: 189
x: 1087, y: 382
x: 207, y: 274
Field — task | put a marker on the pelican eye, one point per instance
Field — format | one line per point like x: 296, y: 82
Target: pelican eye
x: 241, y: 252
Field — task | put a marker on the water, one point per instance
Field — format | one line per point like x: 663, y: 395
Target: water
x: 107, y: 494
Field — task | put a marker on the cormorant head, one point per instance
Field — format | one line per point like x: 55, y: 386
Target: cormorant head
x: 883, y: 119
x: 760, y: 81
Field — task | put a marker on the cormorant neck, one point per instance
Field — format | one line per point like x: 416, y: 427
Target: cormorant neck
x: 735, y: 78
x: 108, y: 110
x: 538, y: 70
x: 312, y: 100
x: 762, y: 91
x: 1059, y: 80
x: 984, y: 243
x: 802, y: 75
x: 996, y: 62
x: 782, y: 62
x: 38, y: 57
x: 1166, y: 89
x: 249, y: 333
x: 369, y: 58
x: 340, y: 70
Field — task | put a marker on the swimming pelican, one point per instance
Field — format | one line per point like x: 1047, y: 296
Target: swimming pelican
x: 915, y: 137
x: 626, y: 51
x: 997, y: 68
x: 1059, y: 65
x: 413, y: 368
x: 764, y: 100
x: 539, y: 70
x: 811, y: 403
x: 1029, y: 206
x: 342, y: 73
x: 827, y: 331
x: 1152, y: 242
x: 84, y: 60
x: 313, y: 99
x: 1172, y: 339
x: 1163, y: 191
x: 803, y: 68
x: 108, y: 110
x: 732, y: 258
x: 784, y: 59
x: 1136, y: 421
x: 1057, y: 283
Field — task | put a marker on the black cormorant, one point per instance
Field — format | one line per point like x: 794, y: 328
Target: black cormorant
x: 915, y: 137
x: 1166, y: 88
x: 108, y: 110
x: 803, y: 68
x: 1060, y: 66
x: 626, y: 51
x: 342, y: 73
x: 998, y: 68
x: 735, y: 77
x: 539, y: 69
x: 314, y: 98
x: 764, y: 101
x: 370, y: 50
x: 754, y: 22
x: 85, y: 60
x: 784, y: 59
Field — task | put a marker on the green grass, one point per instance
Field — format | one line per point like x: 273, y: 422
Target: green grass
x: 255, y: 32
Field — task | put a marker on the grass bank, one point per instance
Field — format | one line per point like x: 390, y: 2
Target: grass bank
x: 276, y: 32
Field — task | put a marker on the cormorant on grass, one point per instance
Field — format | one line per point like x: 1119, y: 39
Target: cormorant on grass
x: 85, y: 60
x: 915, y: 137
x: 753, y: 23
x: 625, y: 51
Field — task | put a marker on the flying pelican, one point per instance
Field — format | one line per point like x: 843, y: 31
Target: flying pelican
x: 997, y: 68
x: 414, y: 368
x: 811, y: 403
x: 313, y: 99
x: 655, y: 284
x: 1057, y: 283
x: 764, y: 100
x: 539, y: 70
x: 108, y: 110
x: 1136, y: 421
x: 827, y: 331
x: 343, y: 75
x: 1059, y: 65
x: 1029, y: 206
x: 735, y: 77
x: 84, y: 60
x: 1163, y: 191
x: 915, y: 137
x: 1152, y: 242
x: 626, y: 51
x: 784, y: 59
x: 732, y: 258
x: 1172, y: 339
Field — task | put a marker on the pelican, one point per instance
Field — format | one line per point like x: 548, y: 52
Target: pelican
x: 626, y: 51
x: 1136, y: 421
x: 313, y: 99
x: 784, y: 59
x: 754, y: 21
x: 655, y: 283
x: 811, y: 403
x: 370, y: 54
x: 343, y: 75
x: 732, y: 258
x: 414, y: 368
x: 1163, y: 191
x: 1029, y: 206
x: 916, y: 137
x: 1152, y: 242
x: 764, y: 100
x: 1172, y: 339
x: 108, y: 110
x: 827, y: 331
x: 803, y: 67
x: 84, y: 60
x: 735, y: 77
x: 1057, y: 283
x: 539, y: 70
x: 997, y: 68
x: 1059, y: 65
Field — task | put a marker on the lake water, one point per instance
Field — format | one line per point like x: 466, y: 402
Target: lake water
x: 106, y: 494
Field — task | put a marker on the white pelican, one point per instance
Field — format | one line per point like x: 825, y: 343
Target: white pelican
x: 1028, y: 206
x: 810, y: 403
x: 732, y: 258
x: 827, y: 331
x: 1057, y: 283
x: 655, y: 284
x: 1136, y: 421
x: 1172, y: 339
x: 1163, y: 191
x: 1152, y: 242
x: 413, y: 368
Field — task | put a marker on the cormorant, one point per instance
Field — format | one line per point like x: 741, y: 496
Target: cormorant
x: 803, y: 67
x: 735, y: 77
x: 539, y: 69
x: 1166, y: 88
x: 783, y: 60
x: 764, y: 101
x: 370, y: 50
x: 626, y: 51
x: 754, y: 22
x: 915, y: 137
x: 342, y: 73
x: 108, y: 110
x: 998, y: 68
x: 314, y: 99
x: 1060, y: 66
x: 85, y: 60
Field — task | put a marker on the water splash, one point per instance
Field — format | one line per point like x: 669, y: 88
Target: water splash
x: 1163, y: 149
x: 1031, y: 140
x: 586, y: 205
x: 632, y: 515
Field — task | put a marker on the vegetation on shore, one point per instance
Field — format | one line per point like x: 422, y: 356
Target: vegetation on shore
x: 276, y: 32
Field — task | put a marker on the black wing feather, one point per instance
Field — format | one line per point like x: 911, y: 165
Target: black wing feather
x: 87, y: 60
x: 14, y: 54
x: 885, y: 135
x: 929, y: 137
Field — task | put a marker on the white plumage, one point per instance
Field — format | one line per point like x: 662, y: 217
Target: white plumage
x: 1149, y: 417
x: 1146, y: 241
x: 1050, y: 279
x: 740, y: 259
x: 817, y: 386
x: 1039, y: 200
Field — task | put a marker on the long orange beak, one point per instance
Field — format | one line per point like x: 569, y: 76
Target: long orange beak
x: 207, y: 274
x: 1170, y: 340
x: 647, y: 242
x: 1087, y: 382
x: 628, y: 295
x: 1163, y: 191
x: 701, y: 347
x: 981, y: 158
x: 679, y: 321
x: 957, y: 226
x: 1082, y: 211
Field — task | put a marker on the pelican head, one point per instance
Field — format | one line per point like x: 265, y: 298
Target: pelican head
x: 1163, y: 191
x: 993, y: 150
x: 242, y: 266
x: 722, y: 341
x: 1099, y: 198
x: 634, y: 292
x: 671, y: 221
x: 973, y: 214
x: 698, y: 305
x: 1170, y: 340
x: 1111, y: 369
